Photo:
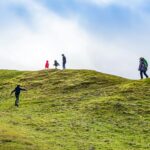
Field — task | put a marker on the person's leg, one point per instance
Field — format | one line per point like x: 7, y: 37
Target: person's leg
x: 141, y: 74
x: 17, y: 100
x: 64, y: 67
x: 145, y: 74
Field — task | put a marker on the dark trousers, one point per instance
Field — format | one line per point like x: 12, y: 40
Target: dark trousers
x: 143, y: 73
x: 64, y: 65
x: 17, y: 100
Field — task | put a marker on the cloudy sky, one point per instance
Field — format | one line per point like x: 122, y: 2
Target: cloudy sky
x: 104, y: 35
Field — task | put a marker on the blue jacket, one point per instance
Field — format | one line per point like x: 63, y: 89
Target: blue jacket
x: 17, y: 90
x: 142, y: 66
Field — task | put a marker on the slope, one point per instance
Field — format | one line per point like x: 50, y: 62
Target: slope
x: 74, y: 110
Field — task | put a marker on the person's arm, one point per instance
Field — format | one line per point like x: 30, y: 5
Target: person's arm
x: 22, y: 89
x: 12, y: 91
x: 140, y: 65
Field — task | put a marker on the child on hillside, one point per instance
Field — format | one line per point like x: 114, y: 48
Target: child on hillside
x: 56, y: 64
x: 17, y: 91
x: 47, y: 64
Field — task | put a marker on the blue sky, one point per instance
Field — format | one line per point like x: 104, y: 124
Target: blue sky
x: 104, y: 35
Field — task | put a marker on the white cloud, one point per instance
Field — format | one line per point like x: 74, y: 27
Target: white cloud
x: 26, y: 47
x: 23, y: 47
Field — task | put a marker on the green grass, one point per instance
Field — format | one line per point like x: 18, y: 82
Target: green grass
x: 74, y: 110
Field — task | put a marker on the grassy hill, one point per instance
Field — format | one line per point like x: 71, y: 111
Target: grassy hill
x: 74, y: 110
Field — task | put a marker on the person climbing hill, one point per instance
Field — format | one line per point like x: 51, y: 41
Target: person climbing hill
x: 17, y: 91
x: 143, y: 66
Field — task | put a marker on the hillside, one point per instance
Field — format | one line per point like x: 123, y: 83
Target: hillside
x: 74, y: 110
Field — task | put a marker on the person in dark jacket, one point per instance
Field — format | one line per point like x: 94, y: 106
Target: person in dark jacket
x: 56, y: 64
x: 143, y: 66
x: 17, y: 91
x: 64, y: 61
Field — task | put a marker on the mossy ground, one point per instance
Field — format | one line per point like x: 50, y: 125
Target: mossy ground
x: 74, y: 110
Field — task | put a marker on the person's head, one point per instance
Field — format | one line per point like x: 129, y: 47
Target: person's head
x: 18, y: 85
x: 141, y: 58
x: 63, y: 55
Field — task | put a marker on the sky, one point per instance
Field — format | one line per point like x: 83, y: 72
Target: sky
x: 104, y: 35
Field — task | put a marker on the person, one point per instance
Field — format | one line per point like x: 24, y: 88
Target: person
x: 47, y: 64
x: 56, y: 64
x: 17, y: 91
x: 143, y: 66
x: 64, y: 61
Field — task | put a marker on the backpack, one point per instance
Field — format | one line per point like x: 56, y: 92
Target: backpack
x: 145, y: 63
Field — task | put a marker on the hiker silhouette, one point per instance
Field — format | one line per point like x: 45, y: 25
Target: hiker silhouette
x: 143, y: 66
x: 47, y: 64
x: 17, y: 91
x: 64, y: 61
x: 56, y: 64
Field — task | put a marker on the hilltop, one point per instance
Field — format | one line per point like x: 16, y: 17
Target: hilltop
x: 74, y: 110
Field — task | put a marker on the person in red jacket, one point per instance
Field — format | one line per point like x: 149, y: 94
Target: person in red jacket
x: 47, y: 65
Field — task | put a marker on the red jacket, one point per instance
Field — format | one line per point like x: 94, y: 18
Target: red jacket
x: 47, y: 65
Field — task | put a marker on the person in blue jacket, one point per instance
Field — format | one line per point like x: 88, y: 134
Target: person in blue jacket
x: 143, y: 66
x: 56, y: 64
x: 64, y: 61
x: 17, y: 91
